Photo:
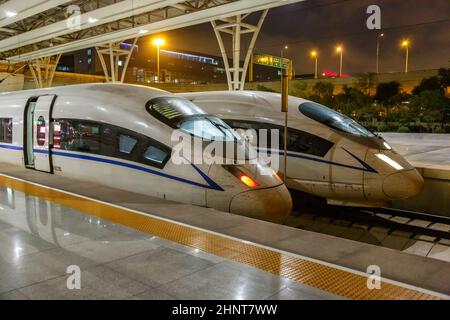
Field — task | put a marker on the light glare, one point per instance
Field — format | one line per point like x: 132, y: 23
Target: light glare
x: 10, y: 14
x: 158, y: 42
x: 387, y: 146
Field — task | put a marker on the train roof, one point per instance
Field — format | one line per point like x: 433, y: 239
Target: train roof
x: 122, y: 105
x: 267, y: 100
x: 80, y: 89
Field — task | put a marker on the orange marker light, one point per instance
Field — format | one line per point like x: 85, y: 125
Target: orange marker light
x: 249, y: 182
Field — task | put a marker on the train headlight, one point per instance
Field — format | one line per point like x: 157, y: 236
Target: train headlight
x: 389, y: 161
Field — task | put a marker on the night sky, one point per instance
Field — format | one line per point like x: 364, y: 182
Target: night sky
x: 322, y: 24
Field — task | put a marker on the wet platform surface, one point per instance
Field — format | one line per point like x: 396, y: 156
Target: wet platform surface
x: 179, y: 251
x: 40, y: 239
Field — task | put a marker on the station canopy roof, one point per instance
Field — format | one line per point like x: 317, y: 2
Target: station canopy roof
x: 37, y: 28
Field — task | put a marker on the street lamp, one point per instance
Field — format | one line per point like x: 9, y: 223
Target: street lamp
x: 283, y: 49
x: 314, y: 56
x: 339, y: 50
x: 405, y: 44
x: 381, y: 35
x: 158, y: 43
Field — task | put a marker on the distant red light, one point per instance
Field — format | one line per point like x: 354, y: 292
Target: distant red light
x: 329, y: 73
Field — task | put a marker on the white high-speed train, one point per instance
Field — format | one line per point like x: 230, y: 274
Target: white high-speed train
x: 121, y: 136
x: 329, y: 155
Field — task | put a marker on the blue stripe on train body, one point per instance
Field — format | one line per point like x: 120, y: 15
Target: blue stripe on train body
x: 366, y: 168
x: 11, y: 147
x: 210, y: 183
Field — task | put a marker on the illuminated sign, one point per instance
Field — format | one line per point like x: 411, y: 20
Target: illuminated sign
x: 328, y: 73
x: 270, y: 61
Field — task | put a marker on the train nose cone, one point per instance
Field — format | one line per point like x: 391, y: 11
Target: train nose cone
x: 272, y: 204
x: 403, y: 184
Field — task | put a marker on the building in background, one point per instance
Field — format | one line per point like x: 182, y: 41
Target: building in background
x: 82, y: 61
x: 177, y: 66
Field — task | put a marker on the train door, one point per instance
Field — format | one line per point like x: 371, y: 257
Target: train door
x: 37, y: 144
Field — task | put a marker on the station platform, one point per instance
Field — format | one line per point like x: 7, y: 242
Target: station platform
x: 430, y: 154
x: 130, y: 246
x: 423, y: 150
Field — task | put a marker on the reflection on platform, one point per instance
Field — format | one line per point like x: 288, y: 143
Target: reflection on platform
x: 39, y: 239
x: 52, y: 222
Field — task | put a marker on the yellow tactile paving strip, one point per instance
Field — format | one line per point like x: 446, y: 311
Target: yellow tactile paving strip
x: 323, y: 277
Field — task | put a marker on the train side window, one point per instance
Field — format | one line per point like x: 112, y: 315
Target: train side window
x: 88, y: 138
x: 6, y: 130
x: 41, y: 131
x: 127, y: 144
x: 109, y: 140
x: 251, y: 125
x: 155, y: 154
x: 304, y: 142
x: 79, y: 136
x: 298, y: 141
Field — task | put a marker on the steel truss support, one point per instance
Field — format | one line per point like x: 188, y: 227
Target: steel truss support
x: 43, y: 70
x: 113, y: 51
x: 234, y: 26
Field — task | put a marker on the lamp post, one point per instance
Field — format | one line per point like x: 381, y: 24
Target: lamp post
x: 282, y: 56
x: 340, y: 50
x: 314, y: 56
x: 381, y: 35
x: 158, y: 43
x: 405, y: 44
x: 283, y: 49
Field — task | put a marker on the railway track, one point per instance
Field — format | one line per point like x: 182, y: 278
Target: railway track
x: 414, y: 223
x: 412, y: 232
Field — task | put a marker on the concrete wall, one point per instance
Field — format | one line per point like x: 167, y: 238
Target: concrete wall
x: 64, y: 79
x: 408, y: 82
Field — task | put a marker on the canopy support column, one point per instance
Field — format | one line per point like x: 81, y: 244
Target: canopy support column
x: 234, y: 26
x: 114, y: 51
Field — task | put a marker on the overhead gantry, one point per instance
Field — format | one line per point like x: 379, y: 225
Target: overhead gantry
x: 236, y: 27
x: 43, y: 70
x: 35, y: 29
x: 113, y: 51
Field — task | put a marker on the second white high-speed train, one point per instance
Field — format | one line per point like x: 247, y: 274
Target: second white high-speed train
x: 122, y: 136
x: 329, y: 155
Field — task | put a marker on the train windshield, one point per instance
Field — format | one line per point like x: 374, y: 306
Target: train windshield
x: 334, y: 119
x: 180, y: 113
x: 209, y: 128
